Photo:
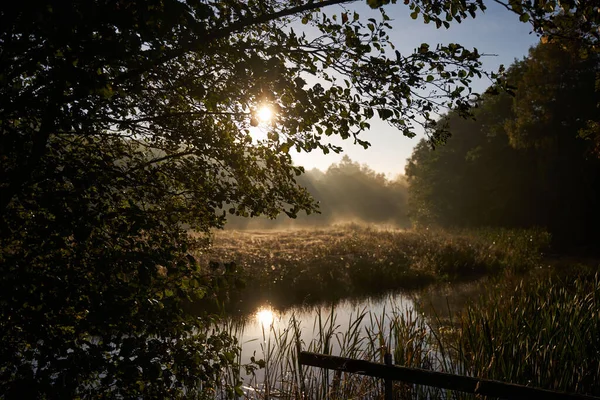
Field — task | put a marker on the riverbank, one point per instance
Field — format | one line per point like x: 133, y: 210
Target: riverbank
x: 541, y: 331
x: 486, y: 303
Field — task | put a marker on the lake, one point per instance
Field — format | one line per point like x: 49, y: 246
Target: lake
x: 346, y: 328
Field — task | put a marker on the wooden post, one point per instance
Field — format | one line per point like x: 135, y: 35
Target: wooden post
x: 418, y: 376
x: 389, y: 384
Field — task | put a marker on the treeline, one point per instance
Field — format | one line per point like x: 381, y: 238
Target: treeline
x: 347, y: 191
x: 527, y: 159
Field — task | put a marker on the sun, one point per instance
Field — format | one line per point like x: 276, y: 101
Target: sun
x: 265, y: 317
x: 264, y: 113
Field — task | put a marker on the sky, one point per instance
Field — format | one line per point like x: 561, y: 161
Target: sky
x: 497, y: 31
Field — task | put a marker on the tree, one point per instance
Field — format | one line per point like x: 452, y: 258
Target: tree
x: 476, y: 178
x: 350, y: 191
x: 556, y: 103
x: 347, y: 191
x: 523, y: 160
x: 124, y: 123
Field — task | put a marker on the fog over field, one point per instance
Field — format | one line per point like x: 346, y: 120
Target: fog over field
x: 347, y: 192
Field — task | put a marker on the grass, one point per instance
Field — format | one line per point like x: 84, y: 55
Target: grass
x: 542, y: 332
x: 517, y: 323
x: 290, y: 268
x: 364, y: 338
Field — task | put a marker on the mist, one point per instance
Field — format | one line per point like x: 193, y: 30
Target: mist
x: 346, y: 192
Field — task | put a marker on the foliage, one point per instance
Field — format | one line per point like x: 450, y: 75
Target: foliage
x: 523, y: 161
x: 94, y: 287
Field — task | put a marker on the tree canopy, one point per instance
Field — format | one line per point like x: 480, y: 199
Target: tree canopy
x: 123, y: 124
x: 525, y: 160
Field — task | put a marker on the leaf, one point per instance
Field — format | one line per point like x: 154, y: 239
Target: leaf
x: 385, y: 114
x: 239, y: 392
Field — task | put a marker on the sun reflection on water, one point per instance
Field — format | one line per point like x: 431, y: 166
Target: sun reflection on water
x: 265, y: 317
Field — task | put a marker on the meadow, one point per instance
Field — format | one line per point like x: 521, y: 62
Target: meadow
x: 295, y: 267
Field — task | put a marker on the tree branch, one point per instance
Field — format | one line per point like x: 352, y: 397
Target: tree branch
x: 164, y: 158
x: 169, y: 115
x: 224, y: 32
x: 22, y: 175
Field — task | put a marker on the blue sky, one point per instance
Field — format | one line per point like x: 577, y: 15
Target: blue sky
x: 496, y: 31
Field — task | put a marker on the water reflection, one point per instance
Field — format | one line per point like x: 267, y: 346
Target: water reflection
x: 265, y: 317
x: 266, y: 323
x: 272, y: 335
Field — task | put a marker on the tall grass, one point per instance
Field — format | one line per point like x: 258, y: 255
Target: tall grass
x: 310, y: 266
x: 543, y: 333
x: 366, y: 336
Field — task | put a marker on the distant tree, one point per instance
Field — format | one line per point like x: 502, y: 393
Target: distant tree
x: 347, y: 191
x: 352, y: 191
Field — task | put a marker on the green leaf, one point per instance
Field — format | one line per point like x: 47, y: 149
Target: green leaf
x: 239, y: 392
x: 385, y: 114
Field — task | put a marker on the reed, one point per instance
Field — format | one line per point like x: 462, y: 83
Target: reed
x: 366, y: 336
x: 288, y: 268
x: 543, y: 333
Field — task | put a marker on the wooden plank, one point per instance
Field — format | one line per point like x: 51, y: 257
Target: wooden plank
x: 436, y: 379
x: 389, y: 383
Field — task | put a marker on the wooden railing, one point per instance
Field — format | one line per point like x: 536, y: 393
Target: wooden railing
x: 391, y: 373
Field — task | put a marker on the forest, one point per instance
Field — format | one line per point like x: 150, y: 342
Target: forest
x: 346, y: 192
x: 530, y: 158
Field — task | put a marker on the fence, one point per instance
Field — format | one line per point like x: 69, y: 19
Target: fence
x: 391, y: 373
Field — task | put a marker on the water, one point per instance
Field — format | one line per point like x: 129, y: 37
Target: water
x: 262, y: 332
